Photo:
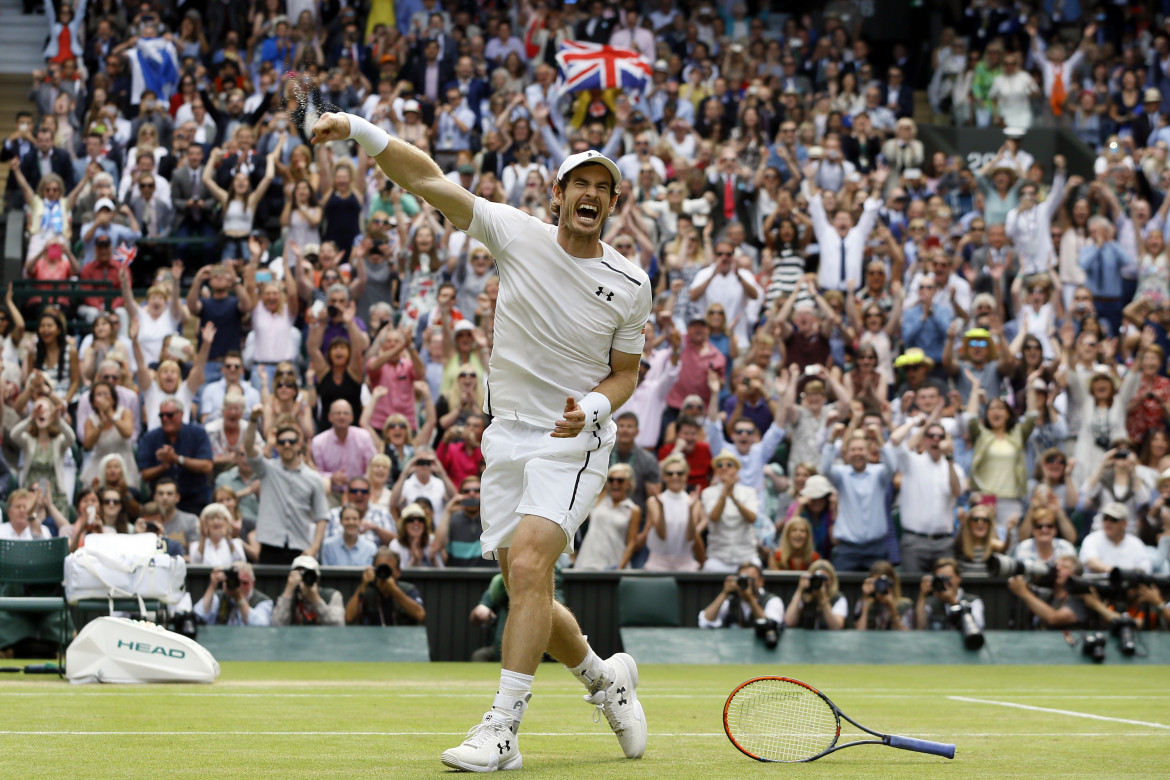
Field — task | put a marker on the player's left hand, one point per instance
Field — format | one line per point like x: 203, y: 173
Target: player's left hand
x: 573, y: 422
x: 331, y: 127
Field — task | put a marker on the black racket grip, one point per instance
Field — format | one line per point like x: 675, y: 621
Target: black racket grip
x: 922, y: 746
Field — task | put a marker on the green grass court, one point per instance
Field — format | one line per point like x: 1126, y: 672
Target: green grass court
x: 393, y: 720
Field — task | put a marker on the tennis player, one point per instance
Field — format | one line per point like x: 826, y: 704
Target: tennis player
x: 568, y: 340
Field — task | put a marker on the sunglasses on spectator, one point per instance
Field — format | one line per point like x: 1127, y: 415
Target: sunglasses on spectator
x: 169, y: 415
x: 287, y: 442
x: 232, y: 366
x: 724, y: 254
x: 481, y: 257
x: 617, y: 480
x: 744, y: 431
x: 1042, y: 526
x: 111, y: 501
x: 675, y: 473
x: 977, y: 343
x: 287, y: 384
x: 1031, y: 346
x: 1058, y: 461
x: 377, y: 221
x: 466, y: 374
x: 980, y: 519
x: 1111, y: 519
x: 360, y: 491
x: 424, y: 463
x: 396, y: 425
x: 725, y: 465
x: 473, y: 491
x: 934, y: 436
x: 415, y: 519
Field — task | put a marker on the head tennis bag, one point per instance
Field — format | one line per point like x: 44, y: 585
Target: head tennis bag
x: 120, y: 650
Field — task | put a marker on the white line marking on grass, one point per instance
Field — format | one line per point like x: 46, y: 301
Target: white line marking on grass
x: 606, y: 734
x: 1070, y: 713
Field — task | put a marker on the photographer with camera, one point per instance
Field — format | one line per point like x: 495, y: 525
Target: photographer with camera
x: 881, y: 607
x: 817, y: 603
x: 941, y: 599
x: 1051, y: 604
x: 382, y: 599
x: 232, y: 600
x: 304, y: 602
x: 744, y: 602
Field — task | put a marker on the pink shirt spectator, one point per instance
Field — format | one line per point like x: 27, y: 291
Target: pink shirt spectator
x: 271, y: 342
x: 692, y: 377
x: 398, y: 378
x: 352, y: 455
x: 458, y: 462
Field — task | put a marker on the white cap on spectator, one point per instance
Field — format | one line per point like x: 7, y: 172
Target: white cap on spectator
x: 306, y: 562
x: 1014, y: 132
x: 1116, y: 510
x: 590, y: 156
x: 463, y: 325
x: 661, y: 65
x: 1152, y: 95
x: 912, y: 174
x: 103, y: 203
x: 816, y: 486
x: 411, y: 105
x: 853, y: 177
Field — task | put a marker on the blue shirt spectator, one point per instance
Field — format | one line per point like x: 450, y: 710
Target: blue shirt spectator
x: 338, y: 552
x: 181, y: 451
x: 924, y: 325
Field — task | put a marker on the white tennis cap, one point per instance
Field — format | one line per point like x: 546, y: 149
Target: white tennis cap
x: 577, y: 160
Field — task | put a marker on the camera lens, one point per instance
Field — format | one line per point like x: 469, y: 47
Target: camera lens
x: 383, y: 571
x: 233, y: 580
x: 308, y: 577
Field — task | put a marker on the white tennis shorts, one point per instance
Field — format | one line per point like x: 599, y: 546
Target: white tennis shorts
x: 528, y: 472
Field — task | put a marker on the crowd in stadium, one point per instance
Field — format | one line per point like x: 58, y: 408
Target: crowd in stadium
x: 860, y: 359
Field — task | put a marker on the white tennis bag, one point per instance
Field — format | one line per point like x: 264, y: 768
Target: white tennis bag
x: 123, y: 566
x: 121, y: 650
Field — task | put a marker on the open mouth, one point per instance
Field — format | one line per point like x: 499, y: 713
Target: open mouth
x: 588, y: 213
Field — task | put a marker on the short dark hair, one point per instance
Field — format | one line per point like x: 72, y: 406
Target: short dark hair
x: 165, y: 481
x: 627, y: 416
x: 285, y: 428
x: 686, y: 419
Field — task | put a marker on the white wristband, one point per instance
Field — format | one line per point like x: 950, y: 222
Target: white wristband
x: 370, y: 137
x: 597, y: 408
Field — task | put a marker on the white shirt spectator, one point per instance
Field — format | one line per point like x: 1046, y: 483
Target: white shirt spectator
x: 1130, y: 554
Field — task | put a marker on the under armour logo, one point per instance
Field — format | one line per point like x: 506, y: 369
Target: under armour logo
x: 608, y: 295
x: 504, y: 746
x: 622, y: 696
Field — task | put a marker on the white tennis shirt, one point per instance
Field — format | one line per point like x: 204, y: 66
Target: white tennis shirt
x: 557, y: 316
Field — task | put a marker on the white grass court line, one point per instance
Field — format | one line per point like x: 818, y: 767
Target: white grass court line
x: 1070, y: 713
x: 604, y: 734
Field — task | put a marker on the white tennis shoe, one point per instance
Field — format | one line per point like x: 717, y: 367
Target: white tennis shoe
x: 490, y: 746
x: 618, y: 700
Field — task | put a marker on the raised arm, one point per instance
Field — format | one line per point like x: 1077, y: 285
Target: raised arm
x: 406, y: 165
x: 209, y: 176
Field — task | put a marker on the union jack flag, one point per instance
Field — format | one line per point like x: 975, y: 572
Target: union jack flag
x: 126, y: 254
x: 594, y: 66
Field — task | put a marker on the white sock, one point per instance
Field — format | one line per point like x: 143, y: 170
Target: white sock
x: 590, y: 669
x: 513, y: 695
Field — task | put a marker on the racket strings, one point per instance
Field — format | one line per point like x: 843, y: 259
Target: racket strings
x: 781, y: 721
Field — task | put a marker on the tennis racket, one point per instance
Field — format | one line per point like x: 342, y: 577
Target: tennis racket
x: 778, y: 719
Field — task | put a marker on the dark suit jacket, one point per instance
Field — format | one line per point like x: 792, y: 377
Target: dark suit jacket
x: 416, y: 74
x: 182, y: 191
x: 61, y: 163
x: 744, y: 205
x: 601, y: 31
x: 165, y: 214
x: 905, y: 100
x: 1142, y: 129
